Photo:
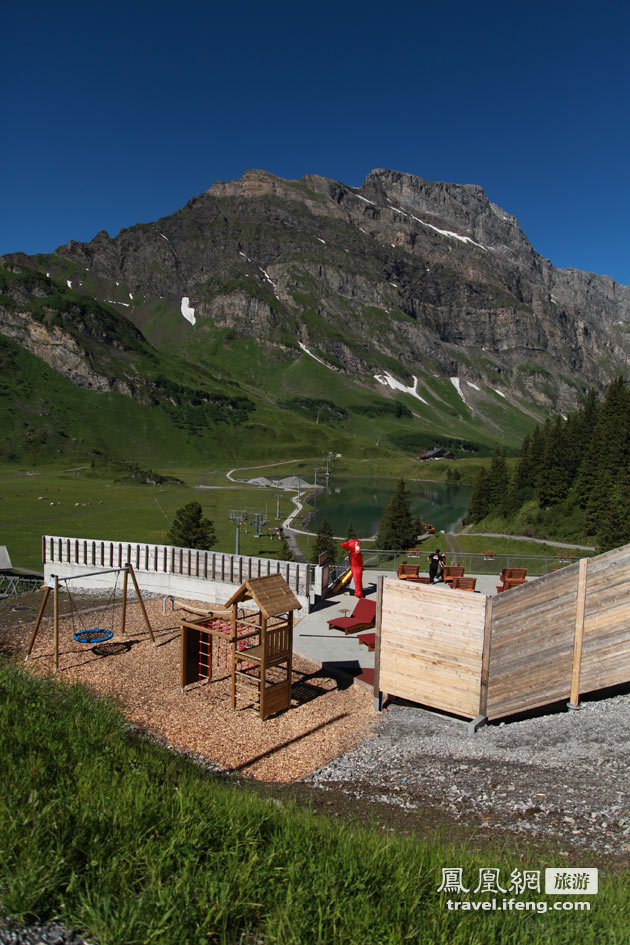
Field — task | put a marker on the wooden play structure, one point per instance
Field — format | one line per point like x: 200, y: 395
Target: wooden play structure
x: 86, y: 635
x: 255, y: 646
x: 485, y: 658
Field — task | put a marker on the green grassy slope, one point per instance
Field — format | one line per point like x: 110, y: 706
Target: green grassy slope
x: 131, y: 843
x: 81, y: 502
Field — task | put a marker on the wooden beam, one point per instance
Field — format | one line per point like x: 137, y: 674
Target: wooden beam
x: 40, y: 616
x: 378, y: 699
x: 234, y: 638
x: 123, y: 618
x: 485, y: 658
x: 56, y: 620
x: 579, y: 633
x: 140, y: 601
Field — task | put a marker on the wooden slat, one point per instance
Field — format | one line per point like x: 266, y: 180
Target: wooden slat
x: 579, y: 632
x: 431, y: 646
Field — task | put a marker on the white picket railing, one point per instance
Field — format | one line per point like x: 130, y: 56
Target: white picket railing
x: 168, y: 559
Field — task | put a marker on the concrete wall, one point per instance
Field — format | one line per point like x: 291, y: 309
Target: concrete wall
x: 162, y: 569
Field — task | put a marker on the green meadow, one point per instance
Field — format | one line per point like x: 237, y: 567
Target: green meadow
x: 77, y: 503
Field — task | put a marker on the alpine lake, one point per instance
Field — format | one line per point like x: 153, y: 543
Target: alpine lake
x: 440, y: 504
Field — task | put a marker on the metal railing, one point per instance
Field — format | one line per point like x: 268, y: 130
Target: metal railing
x: 336, y: 570
x: 473, y: 562
x: 11, y: 584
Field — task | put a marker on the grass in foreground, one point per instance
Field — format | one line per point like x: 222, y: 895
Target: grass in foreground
x: 130, y: 843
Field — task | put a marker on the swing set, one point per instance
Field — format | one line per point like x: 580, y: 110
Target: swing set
x: 92, y: 634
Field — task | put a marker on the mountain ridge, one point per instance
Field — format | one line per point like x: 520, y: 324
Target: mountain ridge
x: 398, y: 286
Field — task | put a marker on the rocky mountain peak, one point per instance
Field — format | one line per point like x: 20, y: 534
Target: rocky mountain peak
x: 399, y: 275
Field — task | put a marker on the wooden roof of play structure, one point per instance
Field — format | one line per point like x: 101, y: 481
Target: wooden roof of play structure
x: 271, y: 593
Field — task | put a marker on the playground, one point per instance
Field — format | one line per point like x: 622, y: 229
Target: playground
x: 555, y: 774
x: 327, y: 718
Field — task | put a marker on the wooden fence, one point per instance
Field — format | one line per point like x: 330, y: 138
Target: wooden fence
x: 167, y: 559
x: 431, y: 645
x: 488, y: 657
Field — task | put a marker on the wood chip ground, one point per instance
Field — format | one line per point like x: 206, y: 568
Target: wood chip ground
x: 327, y: 718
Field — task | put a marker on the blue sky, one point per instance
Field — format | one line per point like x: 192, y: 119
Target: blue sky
x: 115, y: 114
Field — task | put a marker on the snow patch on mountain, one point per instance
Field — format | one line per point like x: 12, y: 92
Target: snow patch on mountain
x: 388, y: 381
x: 314, y: 356
x: 187, y: 310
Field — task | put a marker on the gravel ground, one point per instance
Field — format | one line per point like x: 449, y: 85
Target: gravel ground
x: 561, y: 776
x: 49, y: 934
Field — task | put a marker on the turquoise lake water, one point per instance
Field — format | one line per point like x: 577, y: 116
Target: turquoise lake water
x: 363, y: 501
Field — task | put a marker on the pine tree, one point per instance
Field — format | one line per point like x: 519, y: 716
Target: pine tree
x: 521, y: 487
x: 284, y: 551
x: 480, y: 499
x: 608, y: 454
x: 324, y: 541
x: 398, y: 528
x: 554, y: 477
x: 350, y: 532
x: 498, y: 482
x: 536, y: 454
x: 190, y: 529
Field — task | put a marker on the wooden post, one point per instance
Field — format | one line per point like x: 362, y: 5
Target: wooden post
x: 56, y: 621
x: 574, y: 698
x: 263, y: 667
x: 182, y: 657
x: 233, y: 656
x: 40, y: 616
x: 485, y: 658
x: 378, y: 695
x: 123, y: 617
x: 290, y: 648
x: 140, y: 601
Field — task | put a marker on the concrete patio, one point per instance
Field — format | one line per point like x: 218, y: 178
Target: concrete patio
x: 333, y: 649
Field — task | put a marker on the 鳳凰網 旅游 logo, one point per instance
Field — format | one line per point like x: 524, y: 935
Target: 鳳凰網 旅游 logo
x: 515, y: 890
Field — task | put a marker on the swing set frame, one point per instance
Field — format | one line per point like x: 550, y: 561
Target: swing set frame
x: 128, y: 572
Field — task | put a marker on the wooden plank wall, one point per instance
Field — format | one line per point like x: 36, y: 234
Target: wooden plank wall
x: 531, y: 643
x: 537, y: 645
x: 606, y: 640
x: 431, y: 646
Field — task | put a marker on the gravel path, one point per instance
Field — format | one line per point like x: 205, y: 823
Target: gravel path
x: 562, y: 776
x: 49, y: 934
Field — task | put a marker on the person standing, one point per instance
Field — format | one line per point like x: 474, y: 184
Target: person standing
x: 434, y: 565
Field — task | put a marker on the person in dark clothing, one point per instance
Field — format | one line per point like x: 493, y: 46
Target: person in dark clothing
x: 435, y: 561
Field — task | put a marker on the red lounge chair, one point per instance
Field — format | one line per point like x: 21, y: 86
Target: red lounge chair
x: 369, y: 639
x: 363, y: 617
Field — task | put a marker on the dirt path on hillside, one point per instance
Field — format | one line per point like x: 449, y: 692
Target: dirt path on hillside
x: 453, y: 546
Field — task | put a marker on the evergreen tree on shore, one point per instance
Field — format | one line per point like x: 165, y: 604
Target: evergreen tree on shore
x: 324, y: 541
x: 398, y: 528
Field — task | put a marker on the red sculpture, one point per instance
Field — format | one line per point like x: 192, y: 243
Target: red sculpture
x: 356, y: 564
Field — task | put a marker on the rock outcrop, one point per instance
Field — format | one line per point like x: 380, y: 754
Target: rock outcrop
x: 428, y: 276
